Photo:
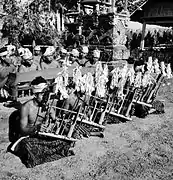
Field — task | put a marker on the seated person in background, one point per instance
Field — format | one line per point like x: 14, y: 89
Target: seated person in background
x: 48, y: 59
x: 82, y: 56
x: 131, y: 61
x: 7, y: 75
x: 95, y: 58
x: 57, y: 52
x: 73, y: 59
x: 12, y: 55
x: 32, y: 113
x: 139, y: 66
x: 5, y: 56
x: 27, y: 63
x: 63, y: 57
x: 37, y: 55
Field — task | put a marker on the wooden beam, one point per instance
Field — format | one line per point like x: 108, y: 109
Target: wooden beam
x: 57, y: 136
x: 48, y: 73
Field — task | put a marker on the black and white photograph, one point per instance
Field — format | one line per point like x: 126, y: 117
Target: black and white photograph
x: 86, y: 90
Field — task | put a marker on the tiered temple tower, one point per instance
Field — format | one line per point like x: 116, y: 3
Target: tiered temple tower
x: 99, y: 25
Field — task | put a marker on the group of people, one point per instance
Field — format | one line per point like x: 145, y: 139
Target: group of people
x: 28, y: 121
x: 24, y: 60
x: 20, y: 60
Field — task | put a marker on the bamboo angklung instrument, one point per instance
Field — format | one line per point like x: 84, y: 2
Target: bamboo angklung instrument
x: 93, y: 112
x: 46, y: 124
x: 113, y: 99
x: 70, y: 115
x: 127, y: 95
x: 72, y: 127
x: 148, y: 91
x: 104, y: 111
x: 155, y: 89
x: 129, y: 107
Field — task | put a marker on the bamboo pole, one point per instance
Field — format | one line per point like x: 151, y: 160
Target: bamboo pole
x: 49, y: 5
x: 72, y: 127
x: 113, y: 6
x: 126, y: 5
x: 58, y: 20
x: 62, y: 23
x: 143, y: 35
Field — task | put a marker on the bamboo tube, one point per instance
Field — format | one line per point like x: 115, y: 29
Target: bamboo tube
x: 49, y: 5
x: 74, y: 123
x: 104, y: 112
x: 91, y: 117
x: 58, y: 21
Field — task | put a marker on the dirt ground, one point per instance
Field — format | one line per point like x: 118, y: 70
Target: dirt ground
x: 138, y: 150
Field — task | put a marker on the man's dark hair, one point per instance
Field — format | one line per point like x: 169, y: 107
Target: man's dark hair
x: 38, y: 80
x: 139, y: 63
x: 131, y: 60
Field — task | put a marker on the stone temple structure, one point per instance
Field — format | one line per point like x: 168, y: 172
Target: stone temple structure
x: 98, y: 24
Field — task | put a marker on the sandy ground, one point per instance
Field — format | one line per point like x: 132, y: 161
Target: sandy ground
x: 138, y: 150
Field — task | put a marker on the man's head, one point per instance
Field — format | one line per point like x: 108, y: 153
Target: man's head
x: 39, y: 87
x: 62, y: 53
x: 84, y: 51
x: 49, y: 54
x: 27, y: 58
x: 50, y: 51
x: 74, y: 55
x: 96, y: 55
x: 37, y: 50
x: 131, y: 60
x: 139, y: 66
x: 11, y: 50
x: 21, y: 51
x: 3, y: 53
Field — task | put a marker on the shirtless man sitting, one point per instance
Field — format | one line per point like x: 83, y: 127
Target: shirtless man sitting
x: 28, y: 120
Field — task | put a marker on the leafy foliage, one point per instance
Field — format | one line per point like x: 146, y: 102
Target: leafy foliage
x: 34, y: 22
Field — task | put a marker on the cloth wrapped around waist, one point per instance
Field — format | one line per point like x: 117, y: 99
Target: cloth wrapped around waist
x: 33, y: 151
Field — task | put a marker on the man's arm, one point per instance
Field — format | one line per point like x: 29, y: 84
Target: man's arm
x: 25, y: 127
